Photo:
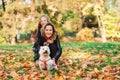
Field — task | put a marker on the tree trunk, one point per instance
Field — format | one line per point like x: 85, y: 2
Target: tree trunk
x: 99, y: 13
x: 81, y: 21
x: 32, y: 7
x: 3, y: 5
x: 118, y: 6
x: 101, y: 28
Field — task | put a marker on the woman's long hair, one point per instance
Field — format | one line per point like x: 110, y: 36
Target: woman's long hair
x: 45, y: 16
x: 53, y: 37
x: 39, y: 24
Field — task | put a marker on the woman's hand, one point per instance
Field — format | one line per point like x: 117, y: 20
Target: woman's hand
x: 53, y: 58
x: 48, y: 42
x: 45, y: 43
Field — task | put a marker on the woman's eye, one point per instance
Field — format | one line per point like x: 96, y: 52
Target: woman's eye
x: 46, y: 29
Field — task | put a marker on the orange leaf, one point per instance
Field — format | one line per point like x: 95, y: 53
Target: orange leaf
x: 57, y: 77
x: 26, y: 64
x: 27, y: 77
x: 107, y: 78
x: 1, y: 65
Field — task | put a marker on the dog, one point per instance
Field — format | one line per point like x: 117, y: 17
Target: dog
x: 45, y: 61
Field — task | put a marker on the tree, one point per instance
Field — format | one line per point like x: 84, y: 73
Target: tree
x: 99, y: 9
x: 118, y: 6
x: 3, y: 5
x: 32, y: 6
x: 16, y: 20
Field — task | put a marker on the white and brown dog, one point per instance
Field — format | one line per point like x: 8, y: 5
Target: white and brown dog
x: 45, y: 62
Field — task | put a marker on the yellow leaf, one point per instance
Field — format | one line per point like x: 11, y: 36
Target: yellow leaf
x: 15, y: 75
x: 107, y: 78
x: 57, y: 77
x: 1, y: 65
x: 27, y: 77
x: 47, y: 78
x: 96, y: 70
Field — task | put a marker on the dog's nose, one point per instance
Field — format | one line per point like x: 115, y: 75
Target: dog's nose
x: 45, y: 51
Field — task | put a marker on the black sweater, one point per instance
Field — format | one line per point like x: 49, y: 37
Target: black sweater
x: 55, y: 47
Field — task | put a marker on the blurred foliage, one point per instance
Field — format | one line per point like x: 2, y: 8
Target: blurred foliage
x: 25, y: 36
x: 111, y: 23
x: 18, y: 7
x: 67, y: 16
x: 2, y: 39
x: 38, y: 8
x: 1, y: 12
x: 60, y: 32
x: 90, y: 21
x: 85, y: 35
x: 1, y: 26
x: 18, y: 19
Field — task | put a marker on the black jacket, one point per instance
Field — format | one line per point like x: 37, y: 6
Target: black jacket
x: 55, y: 47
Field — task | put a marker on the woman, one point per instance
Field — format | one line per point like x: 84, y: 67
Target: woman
x: 43, y: 20
x: 49, y: 36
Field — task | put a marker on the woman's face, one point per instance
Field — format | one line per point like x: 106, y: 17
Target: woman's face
x: 43, y: 20
x: 48, y: 31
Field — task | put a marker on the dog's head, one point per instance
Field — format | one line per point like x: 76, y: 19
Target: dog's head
x: 44, y: 50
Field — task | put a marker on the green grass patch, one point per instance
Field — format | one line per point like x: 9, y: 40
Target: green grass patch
x: 75, y: 51
x: 93, y: 47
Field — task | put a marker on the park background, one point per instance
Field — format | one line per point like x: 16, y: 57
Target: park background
x: 89, y: 32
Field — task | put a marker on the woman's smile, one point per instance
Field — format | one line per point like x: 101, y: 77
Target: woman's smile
x: 48, y: 31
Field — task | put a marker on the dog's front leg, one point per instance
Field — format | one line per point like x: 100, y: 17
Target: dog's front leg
x: 49, y: 67
x: 41, y: 65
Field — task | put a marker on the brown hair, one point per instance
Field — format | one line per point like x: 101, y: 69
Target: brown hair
x: 39, y: 24
x: 53, y: 37
x: 47, y: 18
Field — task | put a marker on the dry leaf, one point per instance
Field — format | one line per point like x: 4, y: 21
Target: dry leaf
x: 58, y: 77
x: 1, y: 64
x: 117, y: 76
x: 15, y: 75
x: 26, y: 64
x: 27, y: 77
x: 47, y: 78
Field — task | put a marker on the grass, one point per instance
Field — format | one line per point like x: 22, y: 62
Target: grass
x: 88, y: 46
x: 70, y: 49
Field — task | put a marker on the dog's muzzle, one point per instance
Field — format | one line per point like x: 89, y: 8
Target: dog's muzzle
x: 45, y: 52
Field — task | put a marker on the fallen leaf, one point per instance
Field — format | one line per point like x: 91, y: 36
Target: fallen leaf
x: 27, y: 77
x: 26, y: 64
x: 1, y: 64
x: 15, y: 75
x: 58, y: 77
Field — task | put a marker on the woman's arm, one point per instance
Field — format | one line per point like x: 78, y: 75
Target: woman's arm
x: 36, y: 43
x: 35, y: 47
x: 59, y: 51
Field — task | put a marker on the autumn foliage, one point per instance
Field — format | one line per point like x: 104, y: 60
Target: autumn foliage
x: 74, y: 64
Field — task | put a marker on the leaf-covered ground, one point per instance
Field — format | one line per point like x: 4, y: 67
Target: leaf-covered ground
x: 81, y: 61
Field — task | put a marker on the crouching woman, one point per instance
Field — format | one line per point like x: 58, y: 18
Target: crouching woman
x: 48, y: 36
